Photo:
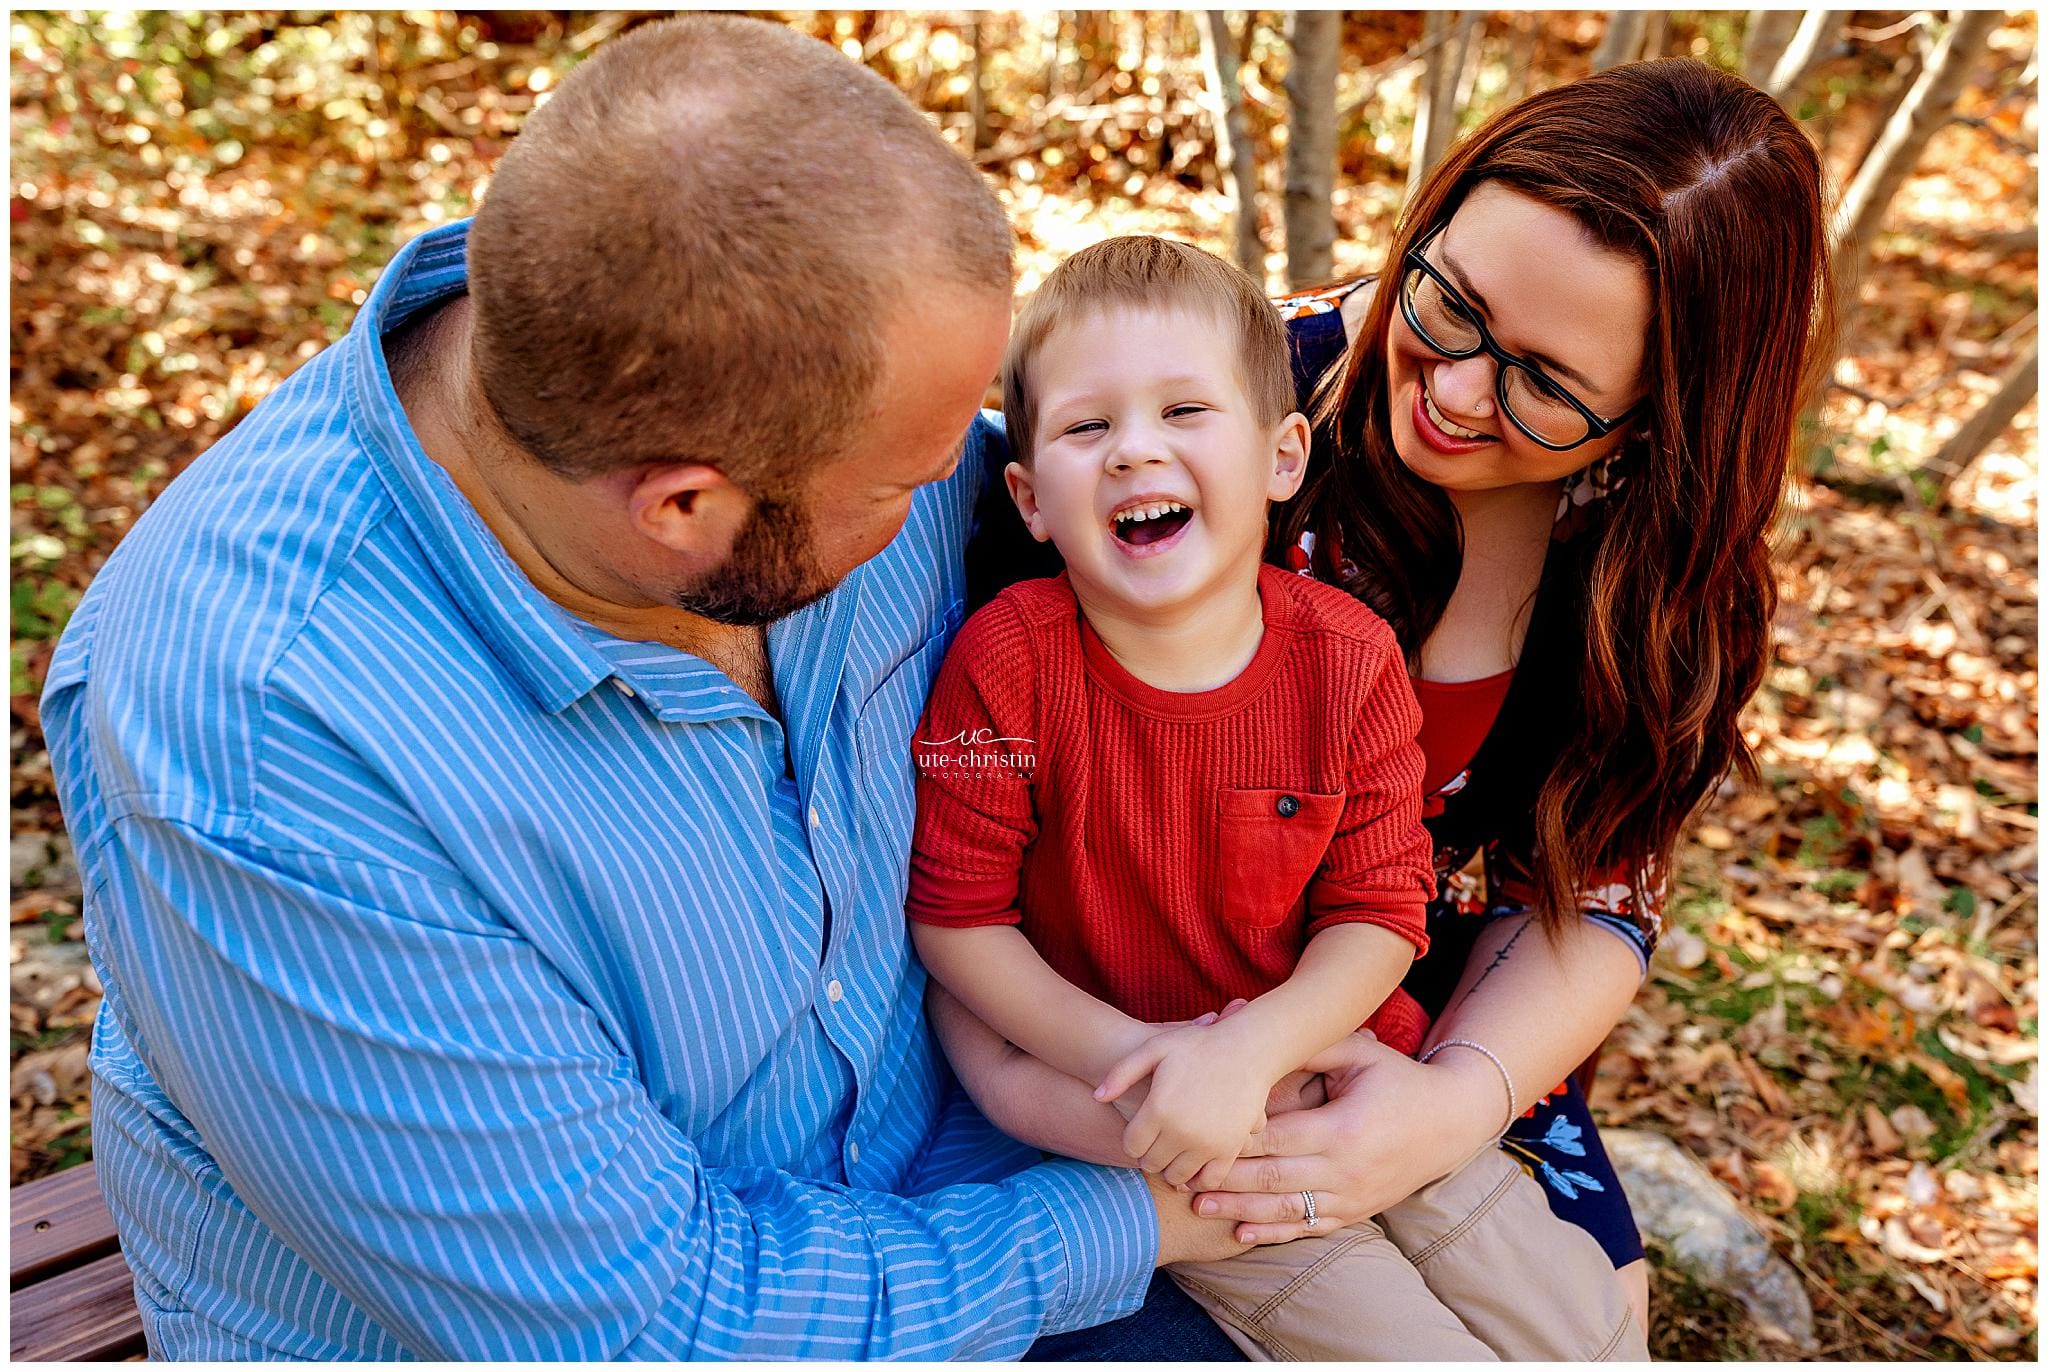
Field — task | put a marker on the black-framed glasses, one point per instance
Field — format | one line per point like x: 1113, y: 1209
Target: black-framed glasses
x: 1442, y: 318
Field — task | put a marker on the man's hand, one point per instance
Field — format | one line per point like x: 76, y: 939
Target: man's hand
x: 1207, y: 1097
x: 1184, y: 1237
x: 1296, y: 1091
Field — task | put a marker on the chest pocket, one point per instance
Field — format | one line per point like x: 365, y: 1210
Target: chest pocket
x: 1269, y: 843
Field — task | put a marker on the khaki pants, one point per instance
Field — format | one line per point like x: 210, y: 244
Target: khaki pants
x: 1472, y: 1268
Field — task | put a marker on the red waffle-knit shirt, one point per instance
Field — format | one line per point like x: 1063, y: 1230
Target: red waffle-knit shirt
x: 1169, y: 851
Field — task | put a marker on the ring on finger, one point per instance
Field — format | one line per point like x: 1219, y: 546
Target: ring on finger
x: 1308, y: 1209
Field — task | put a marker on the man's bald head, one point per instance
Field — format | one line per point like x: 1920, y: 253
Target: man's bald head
x: 690, y: 252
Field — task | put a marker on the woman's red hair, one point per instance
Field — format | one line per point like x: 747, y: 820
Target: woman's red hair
x: 1708, y: 184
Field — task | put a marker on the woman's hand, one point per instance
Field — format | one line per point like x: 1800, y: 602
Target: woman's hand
x: 1391, y: 1127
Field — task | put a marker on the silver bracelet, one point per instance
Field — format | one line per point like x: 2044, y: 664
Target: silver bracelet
x: 1499, y: 1066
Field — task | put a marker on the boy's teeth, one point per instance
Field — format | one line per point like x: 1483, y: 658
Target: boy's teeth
x: 1154, y: 510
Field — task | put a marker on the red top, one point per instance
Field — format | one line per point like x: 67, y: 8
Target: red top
x: 1169, y: 851
x: 1455, y: 718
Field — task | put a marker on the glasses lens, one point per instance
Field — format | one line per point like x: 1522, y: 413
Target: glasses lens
x: 1443, y: 322
x: 1542, y: 409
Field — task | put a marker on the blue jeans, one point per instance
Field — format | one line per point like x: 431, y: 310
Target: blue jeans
x: 1167, y: 1328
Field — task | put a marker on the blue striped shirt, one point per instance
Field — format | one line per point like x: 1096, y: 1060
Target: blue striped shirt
x: 481, y: 985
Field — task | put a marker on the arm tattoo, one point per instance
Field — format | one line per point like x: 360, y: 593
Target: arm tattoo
x: 1500, y: 958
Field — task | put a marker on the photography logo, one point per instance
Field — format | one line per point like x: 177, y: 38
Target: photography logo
x: 976, y: 752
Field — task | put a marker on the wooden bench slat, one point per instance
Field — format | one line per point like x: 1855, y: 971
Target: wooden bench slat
x: 56, y: 1223
x: 84, y: 1315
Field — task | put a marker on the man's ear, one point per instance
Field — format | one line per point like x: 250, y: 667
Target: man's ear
x: 1018, y: 477
x: 1290, y: 458
x: 688, y: 508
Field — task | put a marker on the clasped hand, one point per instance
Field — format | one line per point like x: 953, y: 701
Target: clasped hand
x: 1391, y: 1125
x: 1204, y: 1093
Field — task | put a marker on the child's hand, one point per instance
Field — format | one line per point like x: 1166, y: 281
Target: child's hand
x: 1131, y: 1101
x: 1207, y: 1096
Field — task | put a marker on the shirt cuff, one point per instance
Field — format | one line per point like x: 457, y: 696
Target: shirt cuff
x: 1401, y: 920
x: 956, y: 902
x: 1109, y: 1233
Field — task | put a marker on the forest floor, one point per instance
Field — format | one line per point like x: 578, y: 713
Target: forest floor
x: 1842, y: 1022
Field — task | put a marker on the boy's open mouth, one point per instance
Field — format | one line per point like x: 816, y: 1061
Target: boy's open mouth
x: 1151, y: 522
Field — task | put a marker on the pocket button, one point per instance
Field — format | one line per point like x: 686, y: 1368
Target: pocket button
x: 1288, y: 807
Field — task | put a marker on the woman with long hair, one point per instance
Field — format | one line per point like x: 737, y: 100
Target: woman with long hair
x: 1554, y: 435
x: 1551, y: 439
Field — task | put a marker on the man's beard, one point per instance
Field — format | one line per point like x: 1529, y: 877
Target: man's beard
x: 769, y: 574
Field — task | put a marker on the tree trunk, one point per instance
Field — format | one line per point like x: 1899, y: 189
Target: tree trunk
x: 1236, y: 155
x: 1054, y: 88
x: 1622, y: 41
x: 1472, y: 51
x: 1656, y: 33
x: 1311, y: 144
x: 2015, y: 389
x: 1471, y: 27
x: 1521, y: 57
x: 1436, y: 90
x: 1925, y: 109
x: 1811, y: 46
x: 977, y: 87
x: 1904, y: 77
x: 1763, y: 42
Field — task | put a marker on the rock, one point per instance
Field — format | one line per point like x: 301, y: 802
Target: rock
x: 2026, y: 1091
x: 53, y: 1075
x: 46, y: 972
x: 1912, y: 1123
x: 26, y: 856
x: 1679, y: 1204
x: 42, y: 862
x: 1682, y: 949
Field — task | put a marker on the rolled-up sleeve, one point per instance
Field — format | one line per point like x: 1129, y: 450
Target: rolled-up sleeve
x: 1608, y: 899
x: 407, y: 1090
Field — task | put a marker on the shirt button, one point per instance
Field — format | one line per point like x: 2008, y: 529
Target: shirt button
x: 834, y: 992
x: 1288, y: 807
x: 623, y: 688
x: 817, y: 820
x: 852, y: 1151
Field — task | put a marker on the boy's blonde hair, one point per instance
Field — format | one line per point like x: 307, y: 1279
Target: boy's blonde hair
x: 1149, y: 273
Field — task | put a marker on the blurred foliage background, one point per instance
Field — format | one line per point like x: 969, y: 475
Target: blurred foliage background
x: 1842, y: 1023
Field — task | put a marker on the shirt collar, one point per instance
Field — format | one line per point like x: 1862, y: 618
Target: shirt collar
x: 541, y: 645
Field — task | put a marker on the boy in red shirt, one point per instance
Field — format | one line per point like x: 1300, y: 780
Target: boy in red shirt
x: 1175, y: 777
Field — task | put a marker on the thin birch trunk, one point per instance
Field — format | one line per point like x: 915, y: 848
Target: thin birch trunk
x: 977, y: 87
x: 1904, y: 77
x: 1472, y: 55
x: 2015, y: 389
x: 1656, y: 33
x: 1236, y: 155
x: 1763, y: 42
x: 1436, y: 112
x: 1054, y: 87
x: 1925, y: 109
x: 1622, y: 41
x: 1521, y: 57
x: 1311, y: 145
x: 1811, y: 46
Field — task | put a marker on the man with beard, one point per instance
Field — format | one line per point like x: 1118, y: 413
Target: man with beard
x: 491, y: 768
